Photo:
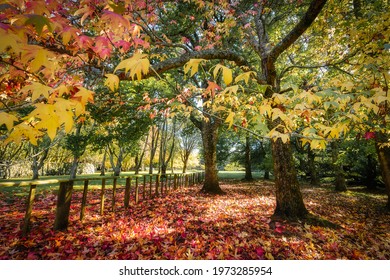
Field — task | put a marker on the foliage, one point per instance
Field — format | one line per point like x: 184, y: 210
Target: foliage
x: 190, y: 225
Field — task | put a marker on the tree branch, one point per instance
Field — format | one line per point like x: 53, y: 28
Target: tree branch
x: 305, y: 22
x: 172, y: 63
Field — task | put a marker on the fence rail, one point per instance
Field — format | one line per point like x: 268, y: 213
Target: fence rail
x: 158, y: 185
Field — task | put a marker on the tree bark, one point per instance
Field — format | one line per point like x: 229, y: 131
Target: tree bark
x: 154, y: 133
x: 139, y: 159
x: 116, y: 166
x: 38, y: 160
x: 103, y: 170
x: 383, y: 152
x: 289, y: 201
x: 209, y: 133
x: 338, y: 169
x: 248, y: 166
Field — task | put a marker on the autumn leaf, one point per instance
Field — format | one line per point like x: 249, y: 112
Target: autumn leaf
x: 112, y: 81
x: 227, y: 73
x: 39, y: 22
x: 193, y: 65
x: 244, y: 77
x: 230, y: 119
x: 8, y: 120
x: 37, y: 90
x: 85, y: 95
x: 138, y: 65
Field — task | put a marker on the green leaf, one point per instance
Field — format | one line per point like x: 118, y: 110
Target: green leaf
x: 39, y: 22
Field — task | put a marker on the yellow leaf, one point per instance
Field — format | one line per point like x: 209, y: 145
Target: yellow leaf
x: 277, y: 113
x: 318, y: 144
x: 9, y: 40
x: 37, y: 89
x: 265, y: 109
x: 138, y: 64
x: 231, y: 89
x: 112, y: 82
x: 85, y: 95
x: 63, y: 109
x: 23, y: 131
x: 230, y: 118
x: 279, y: 98
x: 348, y: 85
x: 274, y: 134
x: 62, y: 89
x: 39, y: 60
x: 244, y: 77
x: 50, y: 124
x: 193, y: 64
x: 7, y: 119
x: 227, y: 73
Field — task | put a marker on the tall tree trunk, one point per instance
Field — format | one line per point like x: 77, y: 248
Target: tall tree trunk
x: 154, y: 132
x: 103, y: 168
x: 77, y: 153
x: 38, y: 160
x: 248, y: 166
x: 73, y: 168
x: 383, y: 152
x: 185, y: 158
x: 116, y: 166
x: 165, y: 139
x: 288, y: 195
x: 139, y: 159
x: 289, y: 201
x: 209, y: 137
x: 340, y: 184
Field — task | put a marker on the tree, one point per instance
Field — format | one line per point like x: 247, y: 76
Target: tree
x: 38, y: 155
x: 133, y: 41
x: 168, y: 137
x: 188, y: 141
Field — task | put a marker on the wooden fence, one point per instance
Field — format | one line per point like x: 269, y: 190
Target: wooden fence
x: 150, y: 185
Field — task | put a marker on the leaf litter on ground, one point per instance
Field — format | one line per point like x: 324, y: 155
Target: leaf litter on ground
x: 186, y: 224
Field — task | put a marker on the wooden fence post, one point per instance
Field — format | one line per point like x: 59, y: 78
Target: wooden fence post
x: 150, y: 186
x: 136, y: 190
x: 127, y: 192
x: 175, y: 182
x: 31, y: 197
x: 144, y: 189
x: 157, y: 183
x: 63, y: 205
x: 84, y: 200
x: 102, y: 196
x: 162, y: 182
x: 113, y: 194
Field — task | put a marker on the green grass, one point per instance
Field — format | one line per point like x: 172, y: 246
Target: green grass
x: 237, y: 175
x: 78, y: 185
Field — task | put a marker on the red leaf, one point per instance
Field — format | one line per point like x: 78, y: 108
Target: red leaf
x: 369, y: 135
